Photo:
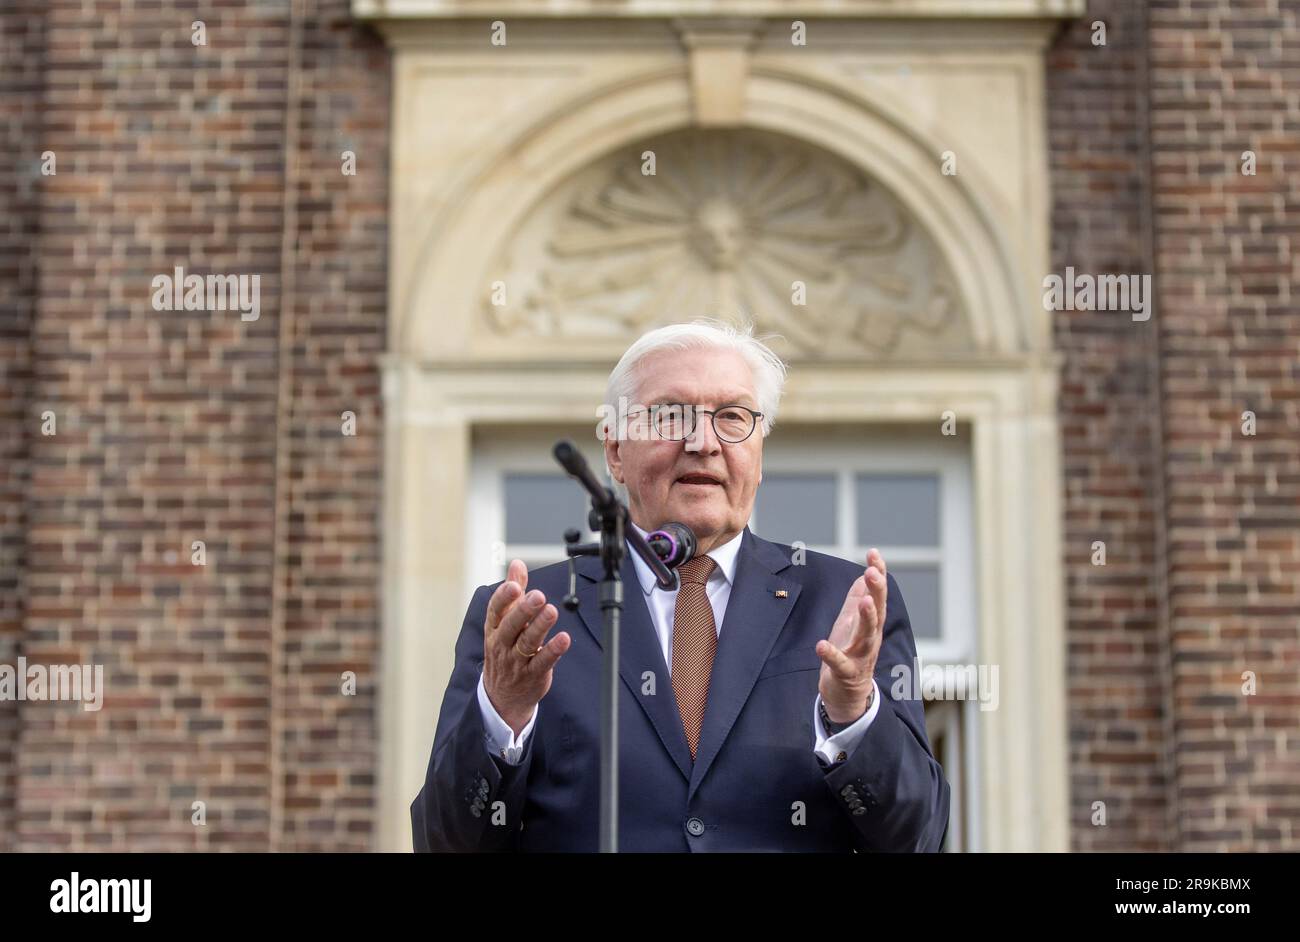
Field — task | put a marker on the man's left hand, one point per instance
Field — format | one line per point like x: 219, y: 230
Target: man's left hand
x: 849, y: 655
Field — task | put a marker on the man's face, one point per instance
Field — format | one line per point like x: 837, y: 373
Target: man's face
x: 653, y: 468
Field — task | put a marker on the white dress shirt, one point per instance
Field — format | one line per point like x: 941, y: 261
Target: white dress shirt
x: 501, y: 741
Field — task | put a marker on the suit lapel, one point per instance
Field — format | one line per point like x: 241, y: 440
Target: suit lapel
x: 753, y: 620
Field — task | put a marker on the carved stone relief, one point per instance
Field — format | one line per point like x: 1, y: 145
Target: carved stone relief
x: 729, y: 221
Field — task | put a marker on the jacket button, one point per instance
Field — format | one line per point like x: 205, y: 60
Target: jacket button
x: 859, y: 810
x: 846, y: 790
x: 476, y: 812
x: 695, y: 826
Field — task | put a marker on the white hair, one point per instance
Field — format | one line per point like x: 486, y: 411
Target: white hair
x: 768, y: 368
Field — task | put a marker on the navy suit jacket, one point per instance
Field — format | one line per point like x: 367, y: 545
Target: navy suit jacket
x: 756, y: 783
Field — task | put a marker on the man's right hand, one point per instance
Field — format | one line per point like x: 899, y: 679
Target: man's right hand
x: 515, y: 678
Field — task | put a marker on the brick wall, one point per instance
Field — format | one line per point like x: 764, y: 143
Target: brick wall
x: 21, y: 79
x: 1156, y: 464
x: 180, y: 426
x: 1226, y: 79
x: 167, y: 427
x: 1110, y: 461
x: 331, y: 742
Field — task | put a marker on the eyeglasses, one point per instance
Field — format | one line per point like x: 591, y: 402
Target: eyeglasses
x: 675, y: 421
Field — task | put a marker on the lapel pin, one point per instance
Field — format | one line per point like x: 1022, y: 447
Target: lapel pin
x: 782, y: 594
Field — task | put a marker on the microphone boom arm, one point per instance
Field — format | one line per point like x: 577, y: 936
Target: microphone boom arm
x: 605, y: 506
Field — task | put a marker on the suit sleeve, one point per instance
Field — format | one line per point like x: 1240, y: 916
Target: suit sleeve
x: 890, y: 788
x: 471, y: 800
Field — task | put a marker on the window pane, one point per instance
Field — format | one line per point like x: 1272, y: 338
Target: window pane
x: 540, y: 507
x: 796, y: 507
x: 898, y: 510
x: 920, y: 588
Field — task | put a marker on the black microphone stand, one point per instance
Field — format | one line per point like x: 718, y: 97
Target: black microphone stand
x: 610, y: 516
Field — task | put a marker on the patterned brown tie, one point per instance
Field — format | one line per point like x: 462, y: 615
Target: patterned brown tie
x: 695, y: 639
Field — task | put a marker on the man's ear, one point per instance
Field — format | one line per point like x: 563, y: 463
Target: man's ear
x: 613, y: 458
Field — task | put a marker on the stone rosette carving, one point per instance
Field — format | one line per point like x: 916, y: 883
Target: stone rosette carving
x: 730, y: 222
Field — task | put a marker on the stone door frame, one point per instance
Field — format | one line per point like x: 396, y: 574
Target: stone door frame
x: 445, y: 375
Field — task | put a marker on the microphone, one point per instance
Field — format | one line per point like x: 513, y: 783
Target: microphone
x: 602, y: 498
x: 673, y: 543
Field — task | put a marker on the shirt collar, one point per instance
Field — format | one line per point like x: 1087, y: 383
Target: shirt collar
x: 723, y: 556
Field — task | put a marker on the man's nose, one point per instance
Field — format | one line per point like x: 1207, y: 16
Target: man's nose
x: 703, y: 438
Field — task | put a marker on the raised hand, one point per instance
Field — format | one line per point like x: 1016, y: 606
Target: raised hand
x: 517, y: 668
x: 849, y: 654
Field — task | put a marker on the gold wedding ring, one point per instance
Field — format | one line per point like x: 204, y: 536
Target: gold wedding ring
x: 524, y: 653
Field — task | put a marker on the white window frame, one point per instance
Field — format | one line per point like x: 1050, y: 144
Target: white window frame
x: 902, y: 454
x: 954, y: 719
x: 494, y: 453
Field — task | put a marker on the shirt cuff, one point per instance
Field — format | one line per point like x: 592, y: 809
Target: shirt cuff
x: 498, y: 737
x: 839, y: 747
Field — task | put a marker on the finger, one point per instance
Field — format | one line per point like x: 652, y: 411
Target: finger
x: 878, y: 587
x: 841, y: 664
x: 553, y: 651
x: 505, y: 595
x: 518, y: 618
x: 848, y: 611
x: 531, y: 638
x: 856, y: 591
x: 874, y: 558
x: 847, y: 620
x: 863, y: 632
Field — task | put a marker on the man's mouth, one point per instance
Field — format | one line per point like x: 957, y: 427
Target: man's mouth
x: 699, y: 479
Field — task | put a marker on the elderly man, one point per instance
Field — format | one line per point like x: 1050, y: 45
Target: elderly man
x: 755, y: 714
